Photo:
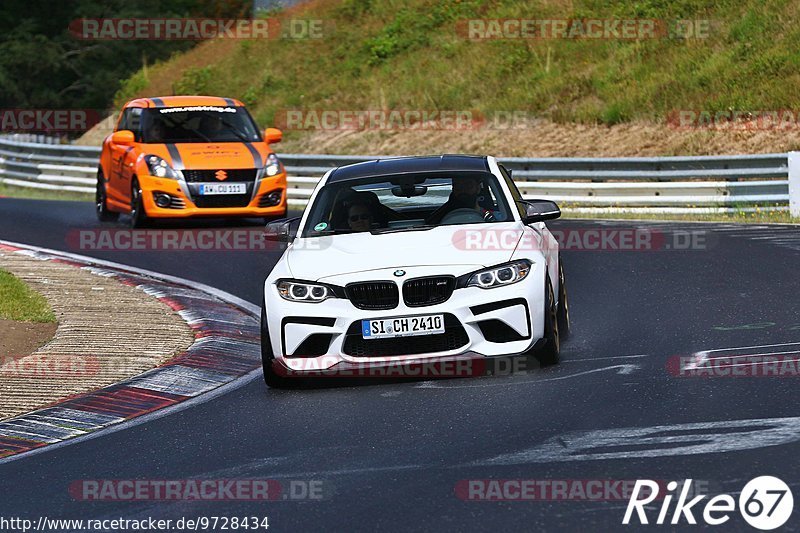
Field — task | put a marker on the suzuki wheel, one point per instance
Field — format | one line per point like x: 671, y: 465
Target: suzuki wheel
x: 100, y: 200
x: 138, y: 214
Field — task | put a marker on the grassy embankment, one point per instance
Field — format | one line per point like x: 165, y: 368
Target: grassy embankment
x: 20, y: 303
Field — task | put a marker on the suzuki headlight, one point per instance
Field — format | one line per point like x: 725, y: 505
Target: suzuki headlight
x: 500, y: 275
x: 301, y: 291
x: 273, y: 166
x: 159, y: 168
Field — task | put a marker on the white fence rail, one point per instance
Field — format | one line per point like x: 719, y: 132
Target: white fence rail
x: 643, y: 184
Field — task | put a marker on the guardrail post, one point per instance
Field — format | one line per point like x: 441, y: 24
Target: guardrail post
x: 794, y: 184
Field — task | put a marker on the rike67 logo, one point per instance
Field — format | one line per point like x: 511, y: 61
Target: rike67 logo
x: 765, y: 503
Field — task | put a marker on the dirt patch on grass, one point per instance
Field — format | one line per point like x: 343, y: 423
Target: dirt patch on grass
x: 20, y: 339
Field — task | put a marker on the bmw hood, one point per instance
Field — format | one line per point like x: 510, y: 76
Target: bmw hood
x: 464, y: 248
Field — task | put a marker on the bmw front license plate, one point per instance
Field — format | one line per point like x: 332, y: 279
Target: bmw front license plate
x: 208, y: 189
x: 402, y: 326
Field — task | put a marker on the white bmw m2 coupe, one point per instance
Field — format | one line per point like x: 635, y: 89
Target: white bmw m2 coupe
x: 413, y: 260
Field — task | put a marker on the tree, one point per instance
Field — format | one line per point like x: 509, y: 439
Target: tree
x: 42, y: 65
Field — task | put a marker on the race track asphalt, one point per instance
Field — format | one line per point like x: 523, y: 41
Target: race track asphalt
x: 390, y: 455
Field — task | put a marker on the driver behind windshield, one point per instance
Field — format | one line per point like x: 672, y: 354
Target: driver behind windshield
x: 156, y: 132
x: 359, y: 216
x: 211, y: 125
x: 464, y: 195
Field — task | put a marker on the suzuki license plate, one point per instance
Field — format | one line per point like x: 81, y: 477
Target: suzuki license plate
x: 208, y: 189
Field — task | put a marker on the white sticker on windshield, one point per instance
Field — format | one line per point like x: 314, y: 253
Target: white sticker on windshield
x: 218, y: 109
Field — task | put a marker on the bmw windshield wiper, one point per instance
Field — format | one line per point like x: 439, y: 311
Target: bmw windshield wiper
x: 423, y: 227
x: 334, y: 232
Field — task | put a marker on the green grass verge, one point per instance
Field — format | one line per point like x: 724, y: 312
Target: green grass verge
x: 19, y: 302
x: 42, y: 194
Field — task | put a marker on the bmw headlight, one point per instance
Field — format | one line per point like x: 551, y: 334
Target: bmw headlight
x: 160, y: 168
x: 301, y: 291
x: 500, y: 275
x: 273, y: 166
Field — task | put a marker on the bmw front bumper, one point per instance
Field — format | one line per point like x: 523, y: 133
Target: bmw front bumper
x: 479, y: 323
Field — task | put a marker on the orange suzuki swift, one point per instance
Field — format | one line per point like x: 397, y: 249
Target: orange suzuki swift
x: 189, y: 156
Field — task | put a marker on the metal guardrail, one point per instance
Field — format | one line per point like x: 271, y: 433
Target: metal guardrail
x: 643, y: 184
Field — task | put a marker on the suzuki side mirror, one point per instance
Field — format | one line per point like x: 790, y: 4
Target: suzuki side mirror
x: 123, y: 137
x: 272, y: 135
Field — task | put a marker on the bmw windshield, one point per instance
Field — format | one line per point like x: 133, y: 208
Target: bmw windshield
x: 407, y: 202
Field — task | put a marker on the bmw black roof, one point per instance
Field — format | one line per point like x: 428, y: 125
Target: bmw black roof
x: 406, y: 165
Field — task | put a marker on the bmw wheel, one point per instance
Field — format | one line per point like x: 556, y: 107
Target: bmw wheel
x: 550, y: 353
x: 271, y: 377
x: 563, y: 304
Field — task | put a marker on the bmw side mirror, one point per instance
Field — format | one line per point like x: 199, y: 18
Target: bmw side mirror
x: 539, y: 211
x: 284, y: 230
